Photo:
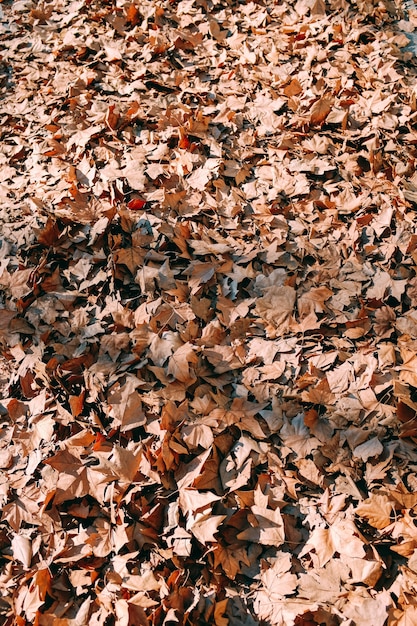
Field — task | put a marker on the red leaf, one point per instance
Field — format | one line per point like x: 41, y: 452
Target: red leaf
x: 136, y: 204
x: 184, y: 142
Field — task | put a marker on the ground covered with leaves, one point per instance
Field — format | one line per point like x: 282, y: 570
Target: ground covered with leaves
x: 208, y: 313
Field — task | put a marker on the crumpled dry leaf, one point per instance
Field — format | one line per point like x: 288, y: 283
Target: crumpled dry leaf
x: 276, y: 308
x: 208, y: 318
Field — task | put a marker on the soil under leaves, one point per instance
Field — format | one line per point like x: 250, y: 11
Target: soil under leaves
x: 209, y: 313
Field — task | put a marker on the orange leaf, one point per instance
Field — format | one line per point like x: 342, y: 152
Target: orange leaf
x: 133, y: 15
x: 310, y: 417
x: 77, y: 404
x: 133, y: 109
x: 98, y: 444
x: 320, y: 111
x: 293, y: 89
x: 184, y: 142
x: 364, y: 220
x: 43, y: 580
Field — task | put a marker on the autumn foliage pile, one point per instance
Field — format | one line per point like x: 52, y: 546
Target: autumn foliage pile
x: 208, y: 313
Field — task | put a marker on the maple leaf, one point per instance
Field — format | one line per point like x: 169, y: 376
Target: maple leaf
x: 323, y: 583
x: 377, y: 509
x: 19, y: 511
x: 126, y: 405
x: 276, y: 578
x: 191, y: 500
x: 188, y: 472
x: 277, y: 584
x: 266, y: 527
x: 369, y: 449
x: 120, y: 464
x: 179, y: 363
x: 313, y: 300
x: 206, y: 255
x: 368, y: 609
x: 276, y: 308
x: 230, y: 558
x: 297, y: 436
x: 132, y: 258
x: 200, y: 273
x: 223, y: 358
x: 197, y: 435
x: 206, y: 527
x: 339, y: 537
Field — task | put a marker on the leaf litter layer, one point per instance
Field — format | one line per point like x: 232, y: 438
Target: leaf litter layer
x: 208, y: 317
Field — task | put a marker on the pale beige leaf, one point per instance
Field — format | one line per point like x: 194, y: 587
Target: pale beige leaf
x: 377, y: 510
x: 276, y: 307
x: 267, y: 527
x: 22, y: 550
x: 371, y: 448
x: 206, y: 527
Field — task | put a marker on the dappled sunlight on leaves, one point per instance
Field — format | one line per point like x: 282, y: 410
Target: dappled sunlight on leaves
x: 208, y: 315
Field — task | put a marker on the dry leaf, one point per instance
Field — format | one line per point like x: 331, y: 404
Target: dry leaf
x: 208, y: 323
x: 320, y: 111
x: 377, y: 510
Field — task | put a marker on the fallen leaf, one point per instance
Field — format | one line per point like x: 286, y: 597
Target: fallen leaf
x: 320, y: 111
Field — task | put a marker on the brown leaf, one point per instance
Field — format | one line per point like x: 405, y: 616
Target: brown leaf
x: 77, y: 404
x: 230, y: 558
x: 276, y: 308
x: 50, y: 234
x: 320, y: 111
x: 6, y: 317
x: 16, y: 409
x: 132, y: 258
x: 293, y: 88
x: 180, y: 362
